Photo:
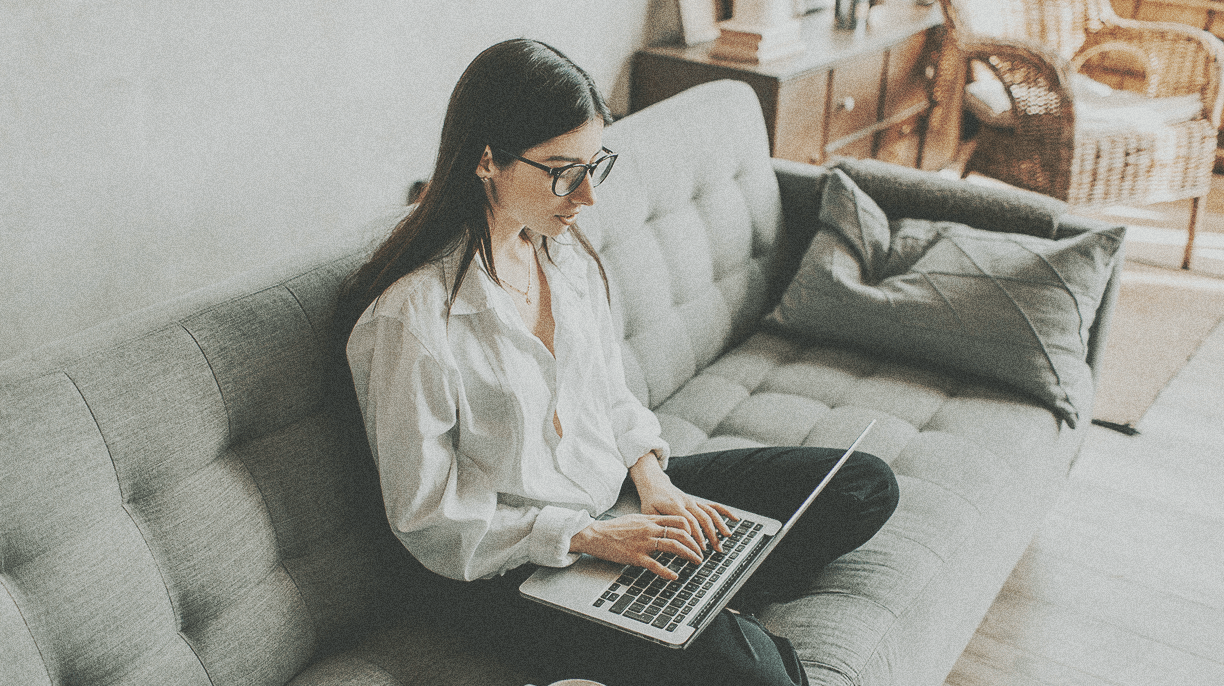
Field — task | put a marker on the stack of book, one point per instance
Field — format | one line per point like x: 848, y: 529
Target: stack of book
x: 741, y: 42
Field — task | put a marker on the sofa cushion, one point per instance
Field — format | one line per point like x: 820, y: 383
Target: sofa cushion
x: 1006, y: 306
x: 78, y: 582
x: 417, y: 651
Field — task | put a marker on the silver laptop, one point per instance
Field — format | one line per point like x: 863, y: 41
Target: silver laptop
x: 672, y: 613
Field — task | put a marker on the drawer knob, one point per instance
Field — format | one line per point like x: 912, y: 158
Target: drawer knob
x: 930, y: 72
x: 847, y: 104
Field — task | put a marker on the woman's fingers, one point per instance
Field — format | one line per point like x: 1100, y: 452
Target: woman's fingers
x: 680, y: 542
x: 694, y: 528
x: 682, y: 506
x: 724, y: 511
x: 635, y: 539
x: 668, y: 539
x: 707, y: 521
x: 709, y: 530
x: 705, y: 528
x: 650, y: 564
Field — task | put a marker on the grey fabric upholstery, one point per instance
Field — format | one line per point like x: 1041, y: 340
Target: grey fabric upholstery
x: 179, y: 504
x: 182, y: 504
x: 903, y: 192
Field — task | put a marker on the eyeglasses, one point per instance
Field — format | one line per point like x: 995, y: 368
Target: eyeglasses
x: 567, y: 179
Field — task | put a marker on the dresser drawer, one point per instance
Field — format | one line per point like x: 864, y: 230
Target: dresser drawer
x: 901, y: 143
x: 854, y: 97
x: 909, y: 75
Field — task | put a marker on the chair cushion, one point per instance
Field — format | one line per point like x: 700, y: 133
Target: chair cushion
x: 1098, y: 108
x: 1006, y: 306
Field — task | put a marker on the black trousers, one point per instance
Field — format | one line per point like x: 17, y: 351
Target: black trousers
x: 551, y: 645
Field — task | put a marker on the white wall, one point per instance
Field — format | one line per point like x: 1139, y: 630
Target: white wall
x: 150, y: 147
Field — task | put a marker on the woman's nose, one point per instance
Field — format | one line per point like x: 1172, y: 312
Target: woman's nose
x: 584, y: 194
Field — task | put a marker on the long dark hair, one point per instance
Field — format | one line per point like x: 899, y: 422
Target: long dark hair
x: 515, y: 95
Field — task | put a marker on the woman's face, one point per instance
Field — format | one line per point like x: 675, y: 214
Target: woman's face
x: 521, y: 195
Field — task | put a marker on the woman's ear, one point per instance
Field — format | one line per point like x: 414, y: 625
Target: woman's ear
x: 485, y: 171
x: 485, y: 168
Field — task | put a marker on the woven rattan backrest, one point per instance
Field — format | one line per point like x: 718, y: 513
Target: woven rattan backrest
x: 1057, y: 24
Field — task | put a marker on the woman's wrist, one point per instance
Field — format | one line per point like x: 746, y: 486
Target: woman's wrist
x: 580, y: 542
x: 647, y: 470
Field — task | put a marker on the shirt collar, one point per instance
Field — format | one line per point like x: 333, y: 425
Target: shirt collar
x: 478, y: 292
x: 474, y: 294
x: 564, y: 252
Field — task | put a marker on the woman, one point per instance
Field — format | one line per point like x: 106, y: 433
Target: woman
x: 489, y: 376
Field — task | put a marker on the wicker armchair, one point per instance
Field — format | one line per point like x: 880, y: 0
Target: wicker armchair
x: 1035, y: 48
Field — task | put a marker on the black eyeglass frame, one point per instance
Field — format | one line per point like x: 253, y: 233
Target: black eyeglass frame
x: 556, y: 172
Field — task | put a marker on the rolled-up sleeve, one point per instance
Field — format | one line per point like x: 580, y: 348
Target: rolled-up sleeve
x: 441, y: 505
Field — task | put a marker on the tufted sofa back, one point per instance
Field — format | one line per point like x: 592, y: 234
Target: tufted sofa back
x: 687, y: 226
x: 180, y: 503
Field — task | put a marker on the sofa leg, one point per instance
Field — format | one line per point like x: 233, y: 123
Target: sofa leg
x: 1195, y: 217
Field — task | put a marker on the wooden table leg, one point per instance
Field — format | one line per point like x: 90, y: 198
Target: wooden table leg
x: 1194, y: 221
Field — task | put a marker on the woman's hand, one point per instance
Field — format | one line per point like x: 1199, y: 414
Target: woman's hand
x: 632, y: 539
x: 659, y: 496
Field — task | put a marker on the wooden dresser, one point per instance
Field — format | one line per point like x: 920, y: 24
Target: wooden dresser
x: 866, y: 93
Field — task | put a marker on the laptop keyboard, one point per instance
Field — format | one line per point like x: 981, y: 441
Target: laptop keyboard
x: 648, y: 598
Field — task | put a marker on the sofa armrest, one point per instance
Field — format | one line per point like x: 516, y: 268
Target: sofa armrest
x: 916, y: 194
x: 1099, y: 333
x: 800, y: 186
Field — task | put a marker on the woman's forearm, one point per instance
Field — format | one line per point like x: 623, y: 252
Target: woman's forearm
x: 648, y: 473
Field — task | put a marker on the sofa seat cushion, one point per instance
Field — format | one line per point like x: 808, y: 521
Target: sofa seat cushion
x: 976, y: 465
x: 828, y: 394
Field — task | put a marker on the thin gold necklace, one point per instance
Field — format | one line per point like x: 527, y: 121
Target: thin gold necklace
x: 527, y: 293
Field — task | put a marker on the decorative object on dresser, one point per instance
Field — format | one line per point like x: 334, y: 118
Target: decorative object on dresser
x: 850, y: 14
x: 876, y: 92
x: 698, y: 20
x: 803, y: 7
x: 1050, y: 129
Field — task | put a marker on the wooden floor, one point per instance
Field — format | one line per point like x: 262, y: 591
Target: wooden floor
x: 1124, y: 583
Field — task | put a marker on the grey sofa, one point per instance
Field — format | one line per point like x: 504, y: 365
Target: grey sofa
x: 182, y: 501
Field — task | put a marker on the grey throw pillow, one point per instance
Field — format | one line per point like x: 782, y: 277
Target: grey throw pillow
x: 1008, y: 306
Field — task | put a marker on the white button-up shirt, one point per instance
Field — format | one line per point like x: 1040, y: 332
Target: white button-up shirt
x: 459, y: 414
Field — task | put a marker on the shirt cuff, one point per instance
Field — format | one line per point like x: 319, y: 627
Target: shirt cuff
x: 551, y: 534
x: 633, y: 450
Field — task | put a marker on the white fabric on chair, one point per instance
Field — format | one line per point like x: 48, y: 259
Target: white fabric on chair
x: 1099, y: 108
